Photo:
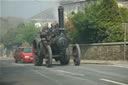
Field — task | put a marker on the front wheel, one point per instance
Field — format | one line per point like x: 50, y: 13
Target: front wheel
x: 64, y: 60
x: 38, y: 59
x: 48, y: 56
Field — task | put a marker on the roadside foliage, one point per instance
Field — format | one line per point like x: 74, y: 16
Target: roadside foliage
x: 21, y: 35
x: 99, y: 22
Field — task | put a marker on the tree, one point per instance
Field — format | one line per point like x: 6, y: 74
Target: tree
x: 86, y: 24
x: 28, y: 33
x: 109, y: 13
x: 10, y: 39
x: 124, y: 14
x: 70, y: 31
x: 20, y: 35
x: 25, y: 43
x: 110, y: 21
x: 99, y: 22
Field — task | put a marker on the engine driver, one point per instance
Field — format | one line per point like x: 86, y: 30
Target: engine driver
x: 44, y: 31
x: 52, y: 27
x: 46, y: 28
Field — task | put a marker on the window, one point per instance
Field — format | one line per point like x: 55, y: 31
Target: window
x: 27, y: 50
x: 20, y: 49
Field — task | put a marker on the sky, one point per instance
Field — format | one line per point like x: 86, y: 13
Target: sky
x: 25, y: 8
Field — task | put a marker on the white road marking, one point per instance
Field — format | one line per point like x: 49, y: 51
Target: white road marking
x: 75, y: 77
x: 70, y: 73
x: 40, y: 73
x: 72, y: 77
x: 120, y: 66
x: 114, y: 82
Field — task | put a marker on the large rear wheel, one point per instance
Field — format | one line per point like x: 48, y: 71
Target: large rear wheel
x: 76, y: 54
x: 48, y: 56
x: 38, y: 59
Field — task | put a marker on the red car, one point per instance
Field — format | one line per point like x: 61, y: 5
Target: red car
x: 23, y: 54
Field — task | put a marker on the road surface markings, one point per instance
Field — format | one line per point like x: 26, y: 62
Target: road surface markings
x: 120, y: 66
x: 114, y: 82
x: 78, y: 78
x: 70, y: 73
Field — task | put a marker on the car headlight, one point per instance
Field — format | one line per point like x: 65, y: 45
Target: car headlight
x: 26, y: 56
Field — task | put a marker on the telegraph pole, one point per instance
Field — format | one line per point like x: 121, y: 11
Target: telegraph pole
x: 125, y: 34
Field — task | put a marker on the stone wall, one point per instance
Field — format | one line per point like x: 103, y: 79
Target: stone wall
x: 104, y: 51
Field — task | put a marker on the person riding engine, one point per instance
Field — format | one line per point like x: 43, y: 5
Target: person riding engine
x: 46, y: 28
x: 45, y: 31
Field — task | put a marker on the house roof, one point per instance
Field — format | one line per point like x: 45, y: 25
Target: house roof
x: 66, y: 2
x: 47, y: 15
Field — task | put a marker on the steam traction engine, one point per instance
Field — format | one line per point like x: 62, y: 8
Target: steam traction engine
x: 55, y: 45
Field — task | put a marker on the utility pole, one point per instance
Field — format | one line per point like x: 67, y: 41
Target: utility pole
x: 125, y: 34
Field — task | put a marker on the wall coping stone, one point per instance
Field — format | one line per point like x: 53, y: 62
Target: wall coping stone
x: 96, y: 44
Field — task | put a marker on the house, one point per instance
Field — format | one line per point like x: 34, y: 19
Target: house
x: 72, y: 5
x: 51, y: 14
x: 122, y: 3
x: 46, y: 16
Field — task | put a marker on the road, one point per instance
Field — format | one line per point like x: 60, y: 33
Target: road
x: 85, y: 74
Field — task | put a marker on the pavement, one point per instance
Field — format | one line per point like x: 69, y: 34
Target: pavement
x: 90, y: 72
x: 106, y: 62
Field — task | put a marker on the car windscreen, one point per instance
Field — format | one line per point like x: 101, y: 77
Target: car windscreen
x: 27, y: 50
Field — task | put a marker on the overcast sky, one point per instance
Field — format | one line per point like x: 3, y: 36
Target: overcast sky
x: 25, y: 8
